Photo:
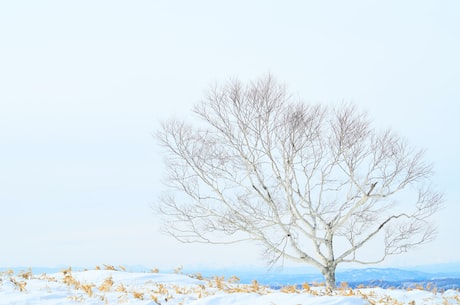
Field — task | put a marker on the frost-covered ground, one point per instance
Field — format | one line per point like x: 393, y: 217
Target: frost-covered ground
x: 120, y: 287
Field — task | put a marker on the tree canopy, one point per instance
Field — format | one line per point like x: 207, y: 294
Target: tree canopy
x: 309, y: 183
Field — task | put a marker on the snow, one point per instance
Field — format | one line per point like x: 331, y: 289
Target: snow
x: 276, y: 298
x: 98, y: 287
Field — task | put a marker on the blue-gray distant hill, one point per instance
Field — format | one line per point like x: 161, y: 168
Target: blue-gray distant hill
x: 442, y: 276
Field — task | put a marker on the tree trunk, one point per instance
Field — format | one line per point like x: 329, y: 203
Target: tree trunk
x: 329, y: 276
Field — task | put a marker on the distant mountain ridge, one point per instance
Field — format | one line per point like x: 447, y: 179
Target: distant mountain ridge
x: 446, y: 276
x: 399, y: 278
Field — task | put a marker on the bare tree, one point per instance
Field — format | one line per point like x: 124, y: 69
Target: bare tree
x: 308, y: 183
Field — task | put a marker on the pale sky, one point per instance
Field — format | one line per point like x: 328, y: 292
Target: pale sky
x: 84, y: 85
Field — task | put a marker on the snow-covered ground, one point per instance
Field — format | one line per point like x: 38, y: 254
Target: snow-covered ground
x: 120, y: 287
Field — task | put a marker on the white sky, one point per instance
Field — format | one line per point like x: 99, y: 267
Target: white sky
x: 83, y: 85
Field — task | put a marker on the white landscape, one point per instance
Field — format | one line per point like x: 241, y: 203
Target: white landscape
x: 116, y: 286
x: 320, y: 134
